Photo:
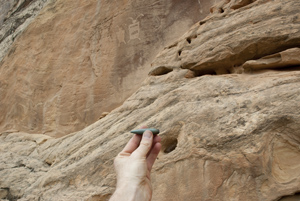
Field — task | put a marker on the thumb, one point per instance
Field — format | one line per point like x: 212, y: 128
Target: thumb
x: 145, y: 145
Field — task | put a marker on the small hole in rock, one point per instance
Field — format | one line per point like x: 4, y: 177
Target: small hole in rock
x: 179, y: 52
x: 189, y: 40
x: 170, y: 145
x: 161, y: 70
x: 204, y: 72
x: 221, y: 10
x: 48, y: 163
x: 202, y: 22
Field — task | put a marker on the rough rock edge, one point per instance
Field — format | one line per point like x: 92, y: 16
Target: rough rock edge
x: 200, y: 50
x: 17, y: 21
x: 64, y: 155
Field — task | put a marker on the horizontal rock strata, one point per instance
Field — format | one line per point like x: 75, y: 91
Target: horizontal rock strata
x: 226, y: 136
x: 225, y: 41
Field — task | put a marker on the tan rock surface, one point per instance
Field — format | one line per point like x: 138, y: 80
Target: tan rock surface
x: 224, y: 137
x: 289, y: 58
x: 79, y: 59
x: 15, y: 16
x: 228, y: 136
x: 224, y: 41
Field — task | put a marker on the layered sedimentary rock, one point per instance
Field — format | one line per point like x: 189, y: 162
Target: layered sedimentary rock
x: 229, y: 119
x: 79, y: 59
x: 223, y: 42
x: 15, y: 16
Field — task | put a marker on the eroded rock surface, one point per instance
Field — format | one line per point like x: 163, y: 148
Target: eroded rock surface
x: 224, y: 41
x: 283, y: 60
x: 15, y: 16
x: 232, y: 136
x: 79, y: 59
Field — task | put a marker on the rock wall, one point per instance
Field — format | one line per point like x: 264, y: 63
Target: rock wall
x: 79, y: 59
x: 226, y: 97
x: 15, y: 16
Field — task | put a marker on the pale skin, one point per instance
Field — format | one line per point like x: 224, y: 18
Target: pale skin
x: 133, y: 167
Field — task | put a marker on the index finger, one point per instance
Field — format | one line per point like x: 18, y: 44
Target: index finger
x: 133, y: 143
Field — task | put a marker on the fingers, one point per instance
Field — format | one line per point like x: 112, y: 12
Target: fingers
x: 145, y: 145
x: 153, y: 155
x: 133, y: 143
x: 156, y: 139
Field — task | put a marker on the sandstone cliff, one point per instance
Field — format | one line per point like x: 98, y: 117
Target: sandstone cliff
x: 79, y: 59
x: 226, y: 96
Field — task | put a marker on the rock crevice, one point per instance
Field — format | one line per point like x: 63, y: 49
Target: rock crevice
x: 234, y: 136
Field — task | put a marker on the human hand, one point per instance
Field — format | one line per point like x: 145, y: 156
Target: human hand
x: 133, y: 166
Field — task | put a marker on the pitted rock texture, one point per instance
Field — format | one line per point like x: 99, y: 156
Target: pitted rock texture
x: 232, y: 136
x: 223, y: 42
x: 78, y: 59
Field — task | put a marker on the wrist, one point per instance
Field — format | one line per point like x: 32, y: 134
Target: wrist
x: 125, y: 192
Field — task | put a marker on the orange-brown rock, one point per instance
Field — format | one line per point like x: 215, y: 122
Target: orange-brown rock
x: 229, y: 136
x: 80, y: 59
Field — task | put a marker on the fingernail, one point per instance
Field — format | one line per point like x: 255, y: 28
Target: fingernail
x: 147, y: 134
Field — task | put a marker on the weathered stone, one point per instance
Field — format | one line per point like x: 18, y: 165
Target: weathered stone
x: 80, y: 59
x: 15, y: 16
x: 233, y: 136
x: 225, y: 41
x: 284, y: 60
x: 226, y: 6
x: 224, y: 137
x: 3, y: 193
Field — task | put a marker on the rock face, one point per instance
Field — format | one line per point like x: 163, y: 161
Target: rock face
x: 80, y: 59
x: 222, y: 43
x: 15, y: 16
x: 226, y: 97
